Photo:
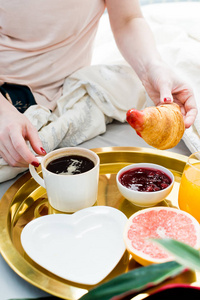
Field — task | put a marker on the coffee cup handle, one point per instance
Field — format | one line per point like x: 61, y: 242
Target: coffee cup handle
x: 35, y: 175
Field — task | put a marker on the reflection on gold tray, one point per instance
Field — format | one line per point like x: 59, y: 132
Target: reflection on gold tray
x: 26, y: 200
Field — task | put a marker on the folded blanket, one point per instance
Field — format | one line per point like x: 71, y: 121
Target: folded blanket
x: 92, y: 97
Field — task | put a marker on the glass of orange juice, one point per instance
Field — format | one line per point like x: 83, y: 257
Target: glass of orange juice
x: 189, y: 190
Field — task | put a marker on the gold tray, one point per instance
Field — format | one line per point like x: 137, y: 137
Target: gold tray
x: 26, y: 200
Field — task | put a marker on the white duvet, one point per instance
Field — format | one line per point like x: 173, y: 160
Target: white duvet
x: 96, y: 95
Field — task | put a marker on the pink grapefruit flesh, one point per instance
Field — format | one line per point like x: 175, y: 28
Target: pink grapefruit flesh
x: 159, y: 222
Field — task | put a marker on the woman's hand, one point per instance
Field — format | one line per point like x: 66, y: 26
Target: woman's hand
x: 15, y: 130
x: 136, y: 42
x: 164, y: 86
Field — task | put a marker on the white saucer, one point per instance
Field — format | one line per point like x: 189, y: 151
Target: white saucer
x: 83, y: 247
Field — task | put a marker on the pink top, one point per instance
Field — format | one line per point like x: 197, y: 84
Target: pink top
x: 43, y: 41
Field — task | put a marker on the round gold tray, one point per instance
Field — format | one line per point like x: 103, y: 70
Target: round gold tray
x: 26, y: 200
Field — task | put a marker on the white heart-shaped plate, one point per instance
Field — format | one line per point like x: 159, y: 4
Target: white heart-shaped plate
x: 83, y: 247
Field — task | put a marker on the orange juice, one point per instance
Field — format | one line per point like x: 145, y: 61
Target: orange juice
x: 189, y: 191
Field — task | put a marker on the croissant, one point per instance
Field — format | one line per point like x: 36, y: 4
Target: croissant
x: 161, y: 127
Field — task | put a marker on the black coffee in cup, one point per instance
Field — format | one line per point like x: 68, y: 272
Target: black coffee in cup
x: 70, y: 165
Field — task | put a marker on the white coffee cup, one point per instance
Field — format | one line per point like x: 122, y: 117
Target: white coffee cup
x: 69, y: 193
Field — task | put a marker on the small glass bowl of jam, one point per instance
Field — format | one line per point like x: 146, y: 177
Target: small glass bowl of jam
x: 145, y: 184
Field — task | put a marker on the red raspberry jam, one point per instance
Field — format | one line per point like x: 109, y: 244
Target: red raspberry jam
x: 145, y: 179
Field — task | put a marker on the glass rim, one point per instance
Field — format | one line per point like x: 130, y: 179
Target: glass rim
x: 195, y: 160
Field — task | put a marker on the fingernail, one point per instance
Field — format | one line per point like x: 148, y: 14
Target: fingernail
x: 43, y: 151
x: 167, y: 99
x: 35, y: 164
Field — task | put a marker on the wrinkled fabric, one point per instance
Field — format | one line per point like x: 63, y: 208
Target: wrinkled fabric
x: 92, y: 98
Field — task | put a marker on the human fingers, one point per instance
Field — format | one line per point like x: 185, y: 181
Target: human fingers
x: 7, y: 155
x: 185, y: 98
x: 33, y: 137
x: 7, y: 150
x: 190, y: 118
x: 22, y: 153
x: 190, y: 112
x: 165, y: 93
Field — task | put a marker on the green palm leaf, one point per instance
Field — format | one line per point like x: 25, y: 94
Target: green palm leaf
x: 183, y: 253
x: 134, y: 281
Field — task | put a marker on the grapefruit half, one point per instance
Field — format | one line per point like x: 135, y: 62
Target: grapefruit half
x: 159, y: 222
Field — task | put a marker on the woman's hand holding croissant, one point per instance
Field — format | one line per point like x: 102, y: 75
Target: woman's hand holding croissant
x: 164, y: 86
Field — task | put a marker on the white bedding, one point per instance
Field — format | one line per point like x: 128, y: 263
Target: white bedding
x: 94, y: 96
